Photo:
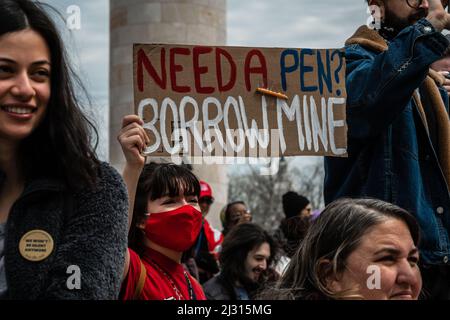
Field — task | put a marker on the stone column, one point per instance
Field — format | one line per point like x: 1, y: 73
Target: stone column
x: 161, y: 21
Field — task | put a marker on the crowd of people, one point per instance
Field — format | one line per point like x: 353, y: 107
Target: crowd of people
x: 145, y: 234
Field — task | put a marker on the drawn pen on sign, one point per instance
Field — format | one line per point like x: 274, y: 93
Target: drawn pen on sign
x: 272, y: 93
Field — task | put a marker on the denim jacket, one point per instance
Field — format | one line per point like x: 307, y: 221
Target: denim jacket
x: 390, y: 154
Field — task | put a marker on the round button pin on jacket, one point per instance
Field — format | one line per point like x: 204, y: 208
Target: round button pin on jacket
x: 36, y: 245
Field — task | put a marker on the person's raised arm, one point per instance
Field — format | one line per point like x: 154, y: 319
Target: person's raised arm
x: 380, y: 86
x: 133, y: 140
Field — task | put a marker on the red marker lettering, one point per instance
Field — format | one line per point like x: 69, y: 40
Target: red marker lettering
x: 261, y: 69
x: 225, y: 87
x: 143, y: 61
x: 175, y: 68
x: 199, y: 70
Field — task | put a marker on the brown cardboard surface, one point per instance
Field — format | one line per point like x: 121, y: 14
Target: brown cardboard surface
x: 211, y: 92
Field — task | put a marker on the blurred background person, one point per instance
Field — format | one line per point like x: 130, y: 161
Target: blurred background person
x: 246, y: 262
x: 292, y: 229
x: 207, y: 246
x: 234, y: 213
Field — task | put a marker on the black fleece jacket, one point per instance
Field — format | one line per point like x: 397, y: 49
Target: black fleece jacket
x: 89, y: 230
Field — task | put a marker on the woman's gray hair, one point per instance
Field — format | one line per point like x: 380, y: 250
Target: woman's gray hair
x: 335, y: 234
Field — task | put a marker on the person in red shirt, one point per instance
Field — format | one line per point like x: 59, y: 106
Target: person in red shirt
x: 164, y: 221
x: 213, y: 236
x: 207, y: 245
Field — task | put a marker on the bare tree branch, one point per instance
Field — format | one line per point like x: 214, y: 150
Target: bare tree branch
x: 263, y: 193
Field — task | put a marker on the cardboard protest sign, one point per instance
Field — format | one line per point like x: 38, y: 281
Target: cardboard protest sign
x: 241, y: 102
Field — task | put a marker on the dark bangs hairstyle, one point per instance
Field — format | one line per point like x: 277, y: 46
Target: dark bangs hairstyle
x: 60, y: 147
x: 158, y: 180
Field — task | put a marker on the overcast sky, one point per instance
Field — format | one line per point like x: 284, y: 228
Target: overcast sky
x: 293, y: 23
x: 265, y: 23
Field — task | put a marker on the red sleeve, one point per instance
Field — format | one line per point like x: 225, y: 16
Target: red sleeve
x: 129, y: 283
x: 213, y: 236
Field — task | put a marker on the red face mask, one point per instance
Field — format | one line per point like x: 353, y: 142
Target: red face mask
x: 176, y: 230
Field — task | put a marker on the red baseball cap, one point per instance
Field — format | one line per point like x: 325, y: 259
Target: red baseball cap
x: 205, y: 190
